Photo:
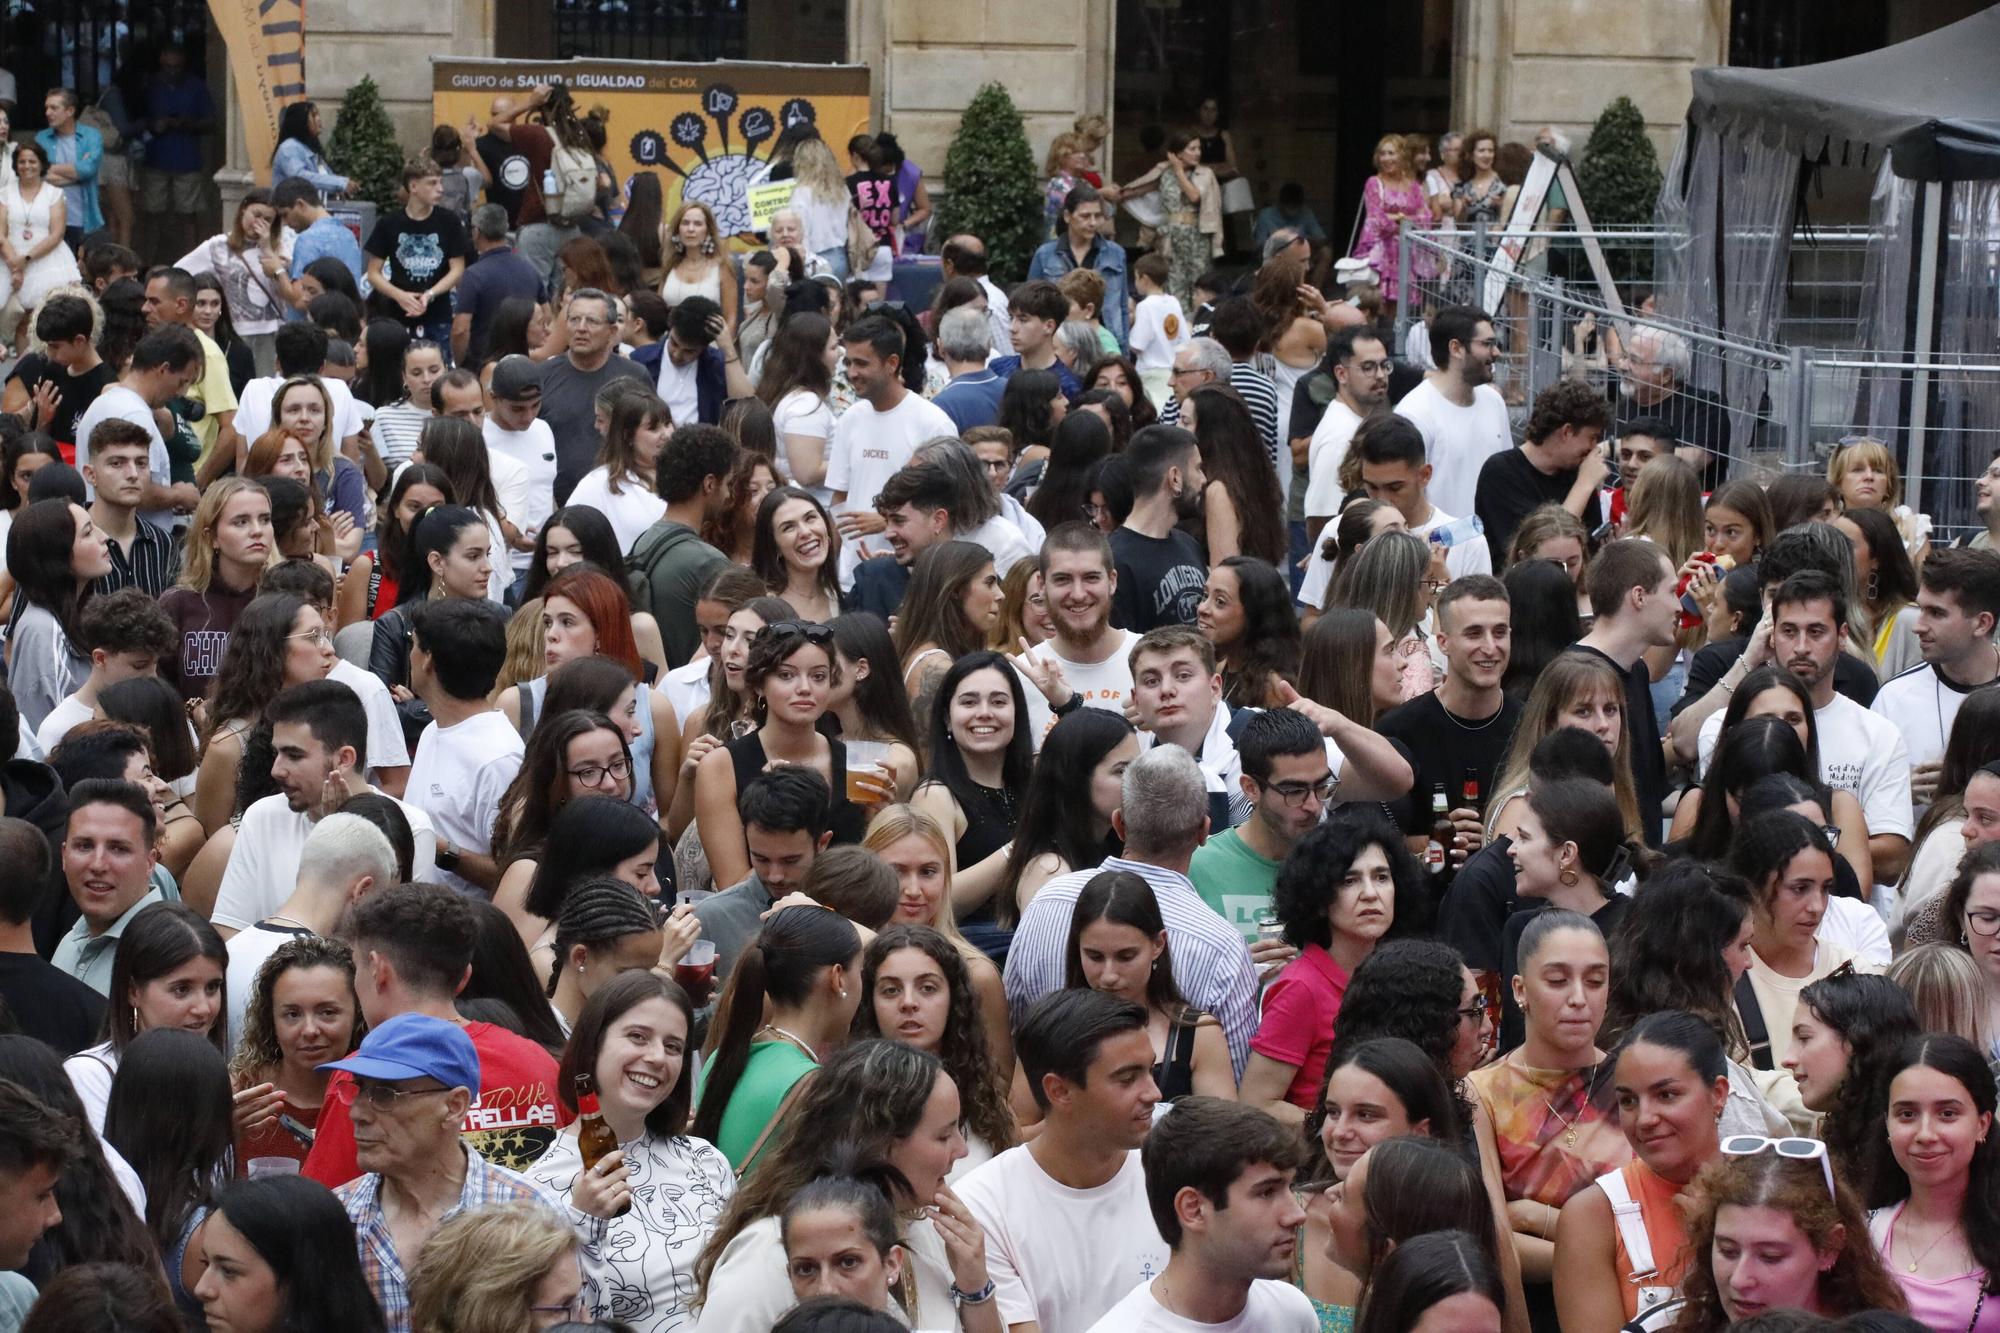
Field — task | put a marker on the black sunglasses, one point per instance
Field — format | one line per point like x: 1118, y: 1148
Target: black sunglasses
x: 805, y: 629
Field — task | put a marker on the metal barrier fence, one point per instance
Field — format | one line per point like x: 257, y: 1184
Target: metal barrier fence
x: 1767, y: 408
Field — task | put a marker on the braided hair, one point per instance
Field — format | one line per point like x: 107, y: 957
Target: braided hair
x: 598, y: 912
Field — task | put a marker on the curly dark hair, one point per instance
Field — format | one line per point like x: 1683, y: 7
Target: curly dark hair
x: 1568, y: 403
x: 1874, y: 1016
x: 963, y: 1049
x: 1271, y: 640
x: 1407, y: 988
x: 1667, y: 951
x: 257, y: 1052
x: 1310, y: 879
x: 253, y: 666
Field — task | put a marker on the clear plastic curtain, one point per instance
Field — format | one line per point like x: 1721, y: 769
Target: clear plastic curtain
x: 1725, y: 269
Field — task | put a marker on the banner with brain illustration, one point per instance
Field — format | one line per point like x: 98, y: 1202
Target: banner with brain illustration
x: 706, y: 130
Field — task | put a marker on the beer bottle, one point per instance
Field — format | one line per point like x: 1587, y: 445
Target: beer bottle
x: 1441, y: 831
x: 594, y: 1137
x: 1471, y: 789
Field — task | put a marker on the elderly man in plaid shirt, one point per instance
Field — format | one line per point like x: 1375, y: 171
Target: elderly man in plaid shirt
x: 412, y: 1084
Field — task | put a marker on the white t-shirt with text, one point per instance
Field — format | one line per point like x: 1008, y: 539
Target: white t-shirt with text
x: 1102, y: 684
x: 1859, y: 752
x: 264, y: 863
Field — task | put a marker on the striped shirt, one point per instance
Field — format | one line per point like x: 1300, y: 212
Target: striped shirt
x: 1259, y: 393
x: 1211, y: 962
x: 153, y: 566
x: 387, y: 1275
x: 396, y: 430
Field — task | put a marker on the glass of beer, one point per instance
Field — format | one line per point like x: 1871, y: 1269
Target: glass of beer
x: 867, y: 759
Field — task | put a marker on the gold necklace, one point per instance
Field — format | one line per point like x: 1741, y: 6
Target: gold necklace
x: 1935, y: 1242
x: 1569, y: 1138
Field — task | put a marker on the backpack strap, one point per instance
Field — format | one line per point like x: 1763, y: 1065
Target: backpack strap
x: 1630, y: 1219
x: 1754, y: 1030
x: 1631, y: 1224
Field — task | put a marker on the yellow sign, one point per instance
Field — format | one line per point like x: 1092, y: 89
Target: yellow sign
x: 706, y: 129
x: 764, y: 200
x: 266, y: 40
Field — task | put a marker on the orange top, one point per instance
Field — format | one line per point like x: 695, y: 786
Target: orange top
x: 1666, y: 1231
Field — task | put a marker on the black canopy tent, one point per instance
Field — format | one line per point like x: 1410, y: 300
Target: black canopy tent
x: 1928, y: 107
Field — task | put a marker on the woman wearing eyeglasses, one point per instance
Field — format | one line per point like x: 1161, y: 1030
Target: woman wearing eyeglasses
x: 1349, y: 884
x: 1553, y: 1131
x: 1610, y: 1263
x: 1972, y: 905
x: 1776, y: 1231
x: 791, y: 670
x: 278, y: 641
x: 1939, y: 1168
x: 572, y: 754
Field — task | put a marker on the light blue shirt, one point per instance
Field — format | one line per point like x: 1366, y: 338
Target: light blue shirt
x: 83, y: 150
x: 294, y: 158
x: 329, y: 237
x: 88, y: 957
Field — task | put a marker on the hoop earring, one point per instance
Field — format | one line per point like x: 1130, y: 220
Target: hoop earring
x: 1874, y: 584
x: 1568, y: 878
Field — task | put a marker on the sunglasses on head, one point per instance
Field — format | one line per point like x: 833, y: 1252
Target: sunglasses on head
x: 804, y: 629
x: 1793, y: 1149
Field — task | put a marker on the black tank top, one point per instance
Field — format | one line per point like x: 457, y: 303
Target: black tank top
x: 1174, y: 1074
x: 747, y: 758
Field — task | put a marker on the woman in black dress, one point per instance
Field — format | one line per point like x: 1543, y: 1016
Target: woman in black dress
x: 980, y: 761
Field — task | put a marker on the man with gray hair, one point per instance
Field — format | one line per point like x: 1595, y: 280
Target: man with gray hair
x: 497, y: 271
x: 1163, y: 817
x: 1654, y: 383
x: 964, y: 342
x: 570, y: 384
x: 1201, y: 361
x: 345, y: 858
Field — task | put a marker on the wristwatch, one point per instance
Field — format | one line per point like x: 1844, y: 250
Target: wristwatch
x: 447, y: 856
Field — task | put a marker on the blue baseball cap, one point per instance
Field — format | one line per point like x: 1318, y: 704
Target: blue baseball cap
x: 415, y: 1046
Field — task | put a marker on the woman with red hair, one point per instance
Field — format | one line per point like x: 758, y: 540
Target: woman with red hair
x: 586, y: 614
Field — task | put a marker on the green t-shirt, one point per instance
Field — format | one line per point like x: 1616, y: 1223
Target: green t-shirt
x: 773, y: 1068
x: 1234, y: 880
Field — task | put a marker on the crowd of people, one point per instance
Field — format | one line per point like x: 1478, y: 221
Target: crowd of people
x: 617, y: 787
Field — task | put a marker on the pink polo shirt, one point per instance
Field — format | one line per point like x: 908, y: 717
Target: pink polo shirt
x: 1297, y: 1026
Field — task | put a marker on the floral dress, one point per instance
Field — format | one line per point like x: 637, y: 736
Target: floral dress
x: 1187, y: 249
x: 1380, y: 242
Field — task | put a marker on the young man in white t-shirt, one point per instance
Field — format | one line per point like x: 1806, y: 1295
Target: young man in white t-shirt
x: 874, y: 438
x: 319, y: 739
x: 1360, y: 364
x: 126, y: 634
x: 1463, y: 417
x: 1159, y: 326
x: 166, y: 361
x: 1068, y: 1227
x: 516, y: 434
x: 1958, y: 608
x: 1088, y: 662
x: 1859, y: 751
x: 1219, y: 1182
x: 469, y: 752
